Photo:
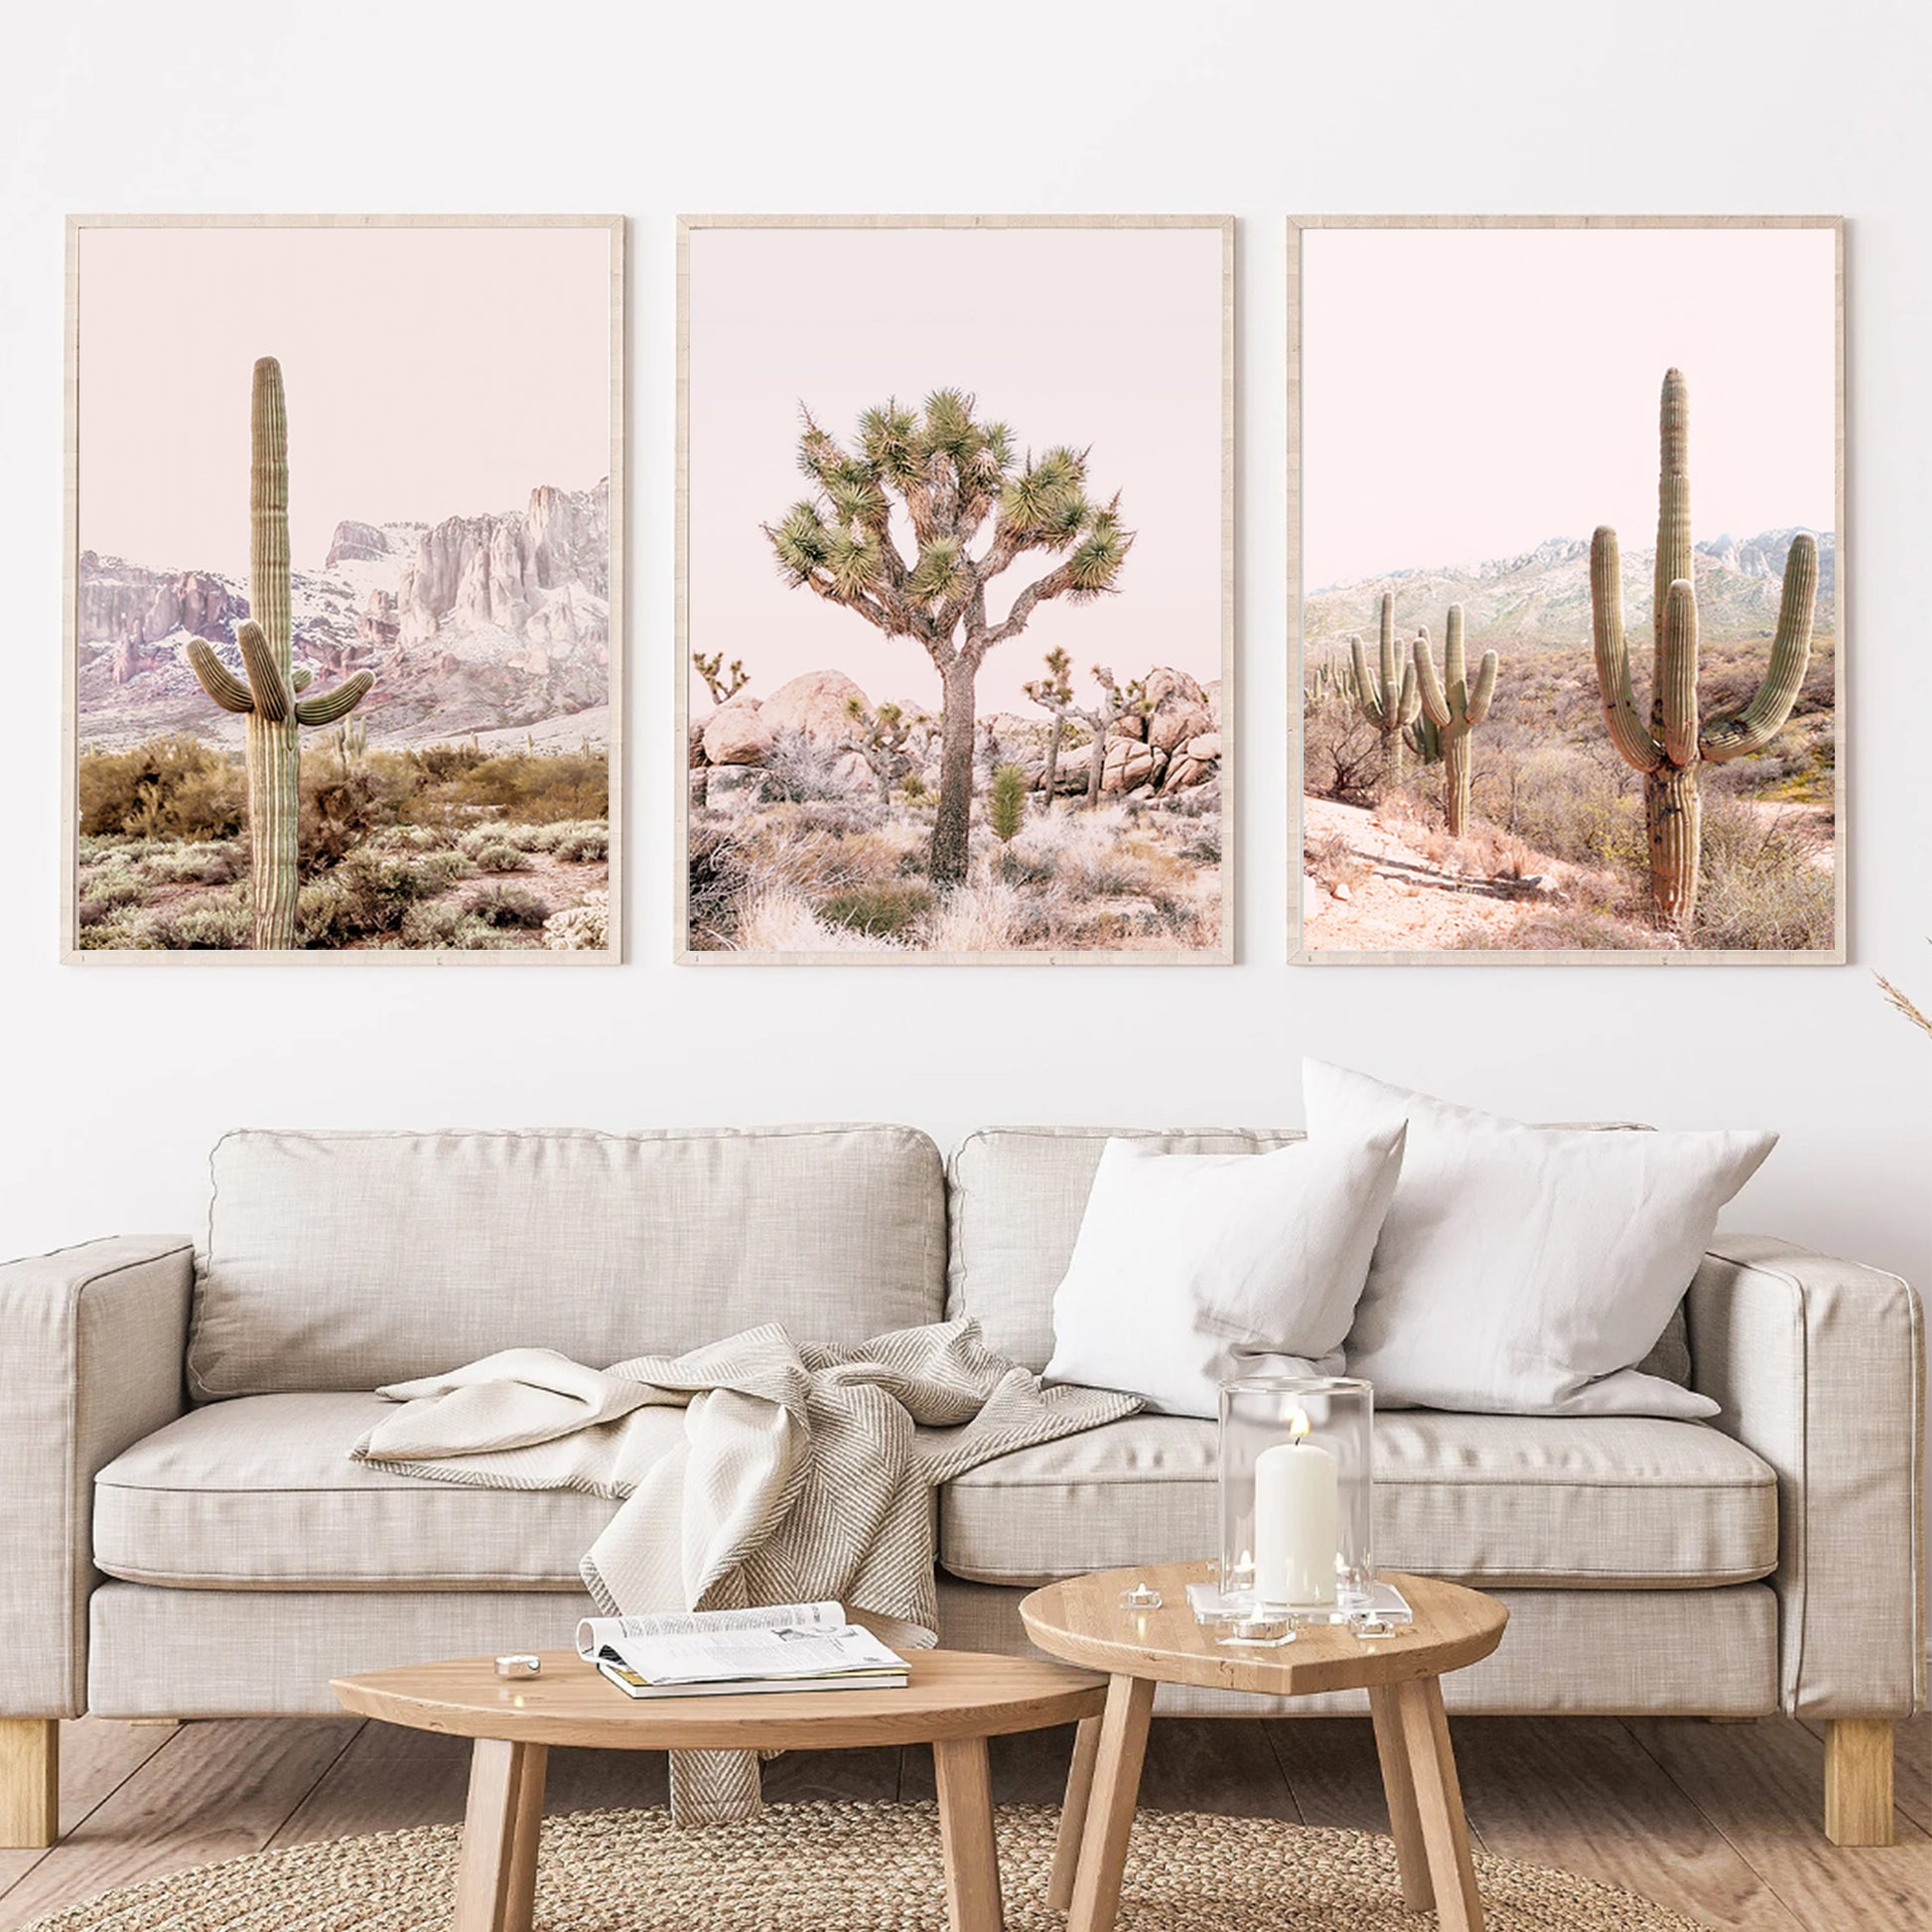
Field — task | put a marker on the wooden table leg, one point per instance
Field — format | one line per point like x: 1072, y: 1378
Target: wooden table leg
x: 1110, y: 1808
x: 1438, y: 1805
x: 966, y: 1830
x: 1399, y: 1786
x: 1073, y: 1815
x: 497, y: 1877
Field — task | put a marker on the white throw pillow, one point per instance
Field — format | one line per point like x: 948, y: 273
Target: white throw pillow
x: 1189, y: 1267
x: 1526, y: 1270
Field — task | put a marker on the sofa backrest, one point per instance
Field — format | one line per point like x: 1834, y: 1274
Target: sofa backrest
x: 1017, y: 1197
x: 348, y: 1260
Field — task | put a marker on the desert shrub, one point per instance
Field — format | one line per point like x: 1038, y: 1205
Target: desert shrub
x: 495, y: 855
x: 340, y: 809
x: 110, y: 886
x: 777, y: 918
x: 1341, y: 753
x: 1330, y: 859
x: 184, y: 865
x: 717, y: 882
x: 172, y: 787
x: 586, y: 845
x: 580, y: 929
x: 799, y: 769
x: 506, y: 905
x: 434, y: 926
x: 888, y: 909
x: 1763, y: 890
x: 1570, y: 803
x: 223, y: 925
x: 986, y: 915
x: 525, y: 788
x: 410, y: 838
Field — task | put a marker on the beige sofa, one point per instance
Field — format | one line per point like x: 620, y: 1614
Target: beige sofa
x: 185, y: 1535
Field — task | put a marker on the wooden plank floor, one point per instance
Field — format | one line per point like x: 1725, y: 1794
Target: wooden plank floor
x: 1720, y: 1822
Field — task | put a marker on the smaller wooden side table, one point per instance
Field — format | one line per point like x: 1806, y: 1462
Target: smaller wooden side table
x: 1082, y: 1621
x: 956, y: 1701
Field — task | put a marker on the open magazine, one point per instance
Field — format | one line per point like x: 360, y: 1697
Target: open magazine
x: 733, y: 1653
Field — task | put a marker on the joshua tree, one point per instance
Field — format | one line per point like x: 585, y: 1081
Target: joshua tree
x: 1454, y: 712
x: 270, y: 696
x: 723, y: 687
x: 1006, y: 802
x: 1388, y: 703
x: 1055, y: 693
x: 975, y: 509
x: 1117, y: 701
x: 880, y: 737
x: 1673, y: 748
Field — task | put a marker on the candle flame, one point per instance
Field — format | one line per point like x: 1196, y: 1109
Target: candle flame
x: 1298, y: 1426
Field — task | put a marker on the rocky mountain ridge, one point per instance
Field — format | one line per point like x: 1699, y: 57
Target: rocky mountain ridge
x: 472, y: 623
x: 1540, y: 598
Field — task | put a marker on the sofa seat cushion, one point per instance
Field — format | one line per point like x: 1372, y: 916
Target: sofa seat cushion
x: 1604, y: 1503
x: 260, y: 1492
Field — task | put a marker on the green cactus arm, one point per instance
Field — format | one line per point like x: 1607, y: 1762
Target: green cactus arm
x: 1477, y: 708
x: 1677, y: 673
x: 1455, y: 663
x: 1365, y: 692
x: 1746, y: 733
x: 264, y: 675
x: 1433, y: 704
x: 1674, y: 557
x: 301, y: 677
x: 216, y: 679
x: 1629, y: 733
x: 1410, y: 700
x: 326, y: 708
x: 1386, y: 657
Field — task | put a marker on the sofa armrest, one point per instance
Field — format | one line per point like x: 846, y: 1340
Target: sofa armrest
x: 1819, y: 1367
x: 92, y: 1345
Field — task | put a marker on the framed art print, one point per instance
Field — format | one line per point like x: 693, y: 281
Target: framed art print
x: 955, y: 589
x: 1567, y: 508
x: 344, y: 588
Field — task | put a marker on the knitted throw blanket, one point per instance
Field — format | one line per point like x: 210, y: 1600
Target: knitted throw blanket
x: 801, y: 1473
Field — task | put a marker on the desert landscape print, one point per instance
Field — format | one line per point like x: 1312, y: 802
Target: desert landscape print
x: 955, y: 590
x: 1569, y: 534
x: 345, y: 639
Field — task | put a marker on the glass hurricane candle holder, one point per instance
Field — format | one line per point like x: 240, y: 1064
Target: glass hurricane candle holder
x: 1296, y: 1494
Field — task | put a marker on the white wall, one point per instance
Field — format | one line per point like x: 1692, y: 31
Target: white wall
x: 115, y: 1081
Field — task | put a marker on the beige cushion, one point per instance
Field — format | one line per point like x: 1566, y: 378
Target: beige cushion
x: 260, y: 1492
x: 346, y: 1261
x: 1571, y: 1502
x: 1017, y: 1196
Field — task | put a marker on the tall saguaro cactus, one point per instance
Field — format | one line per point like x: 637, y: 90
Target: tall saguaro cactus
x: 1671, y: 750
x: 270, y: 697
x: 1389, y: 704
x: 1456, y: 710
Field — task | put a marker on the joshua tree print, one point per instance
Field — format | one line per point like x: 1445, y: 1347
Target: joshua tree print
x: 975, y: 508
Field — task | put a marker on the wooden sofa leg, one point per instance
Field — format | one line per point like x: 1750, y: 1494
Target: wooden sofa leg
x: 30, y: 1782
x: 1857, y: 1780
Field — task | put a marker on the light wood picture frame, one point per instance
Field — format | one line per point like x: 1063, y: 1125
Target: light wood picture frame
x: 455, y: 411
x: 796, y: 333
x: 1470, y: 396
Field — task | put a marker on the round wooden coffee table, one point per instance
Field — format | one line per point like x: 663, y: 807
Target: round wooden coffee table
x: 956, y: 1701
x: 1082, y: 1621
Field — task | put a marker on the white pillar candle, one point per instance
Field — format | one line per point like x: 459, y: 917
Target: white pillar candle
x: 1297, y: 1520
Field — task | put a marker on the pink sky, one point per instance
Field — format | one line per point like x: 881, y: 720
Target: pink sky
x: 1468, y: 393
x: 1106, y: 338
x: 430, y: 373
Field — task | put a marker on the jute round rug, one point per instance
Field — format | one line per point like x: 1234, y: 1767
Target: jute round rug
x: 846, y: 1867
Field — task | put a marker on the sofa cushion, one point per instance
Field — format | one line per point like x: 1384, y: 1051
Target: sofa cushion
x: 260, y: 1492
x: 346, y: 1261
x: 1611, y: 1503
x: 1017, y: 1195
